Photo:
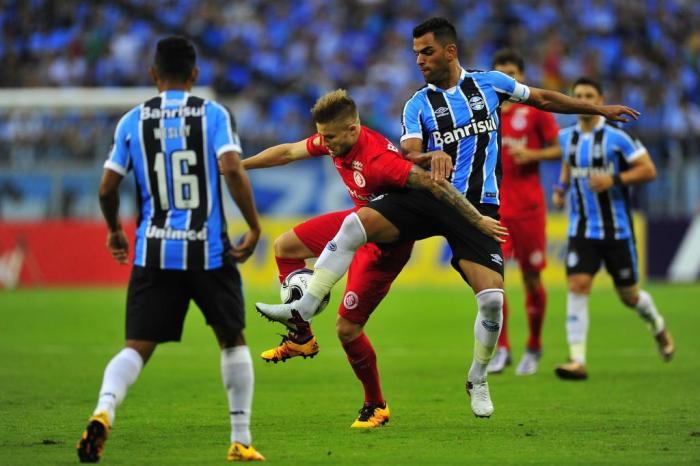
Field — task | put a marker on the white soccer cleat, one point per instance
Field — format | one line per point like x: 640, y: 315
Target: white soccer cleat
x: 529, y: 363
x: 500, y: 360
x: 285, y: 314
x: 480, y: 398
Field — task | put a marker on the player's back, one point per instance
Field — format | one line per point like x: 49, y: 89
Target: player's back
x: 172, y: 142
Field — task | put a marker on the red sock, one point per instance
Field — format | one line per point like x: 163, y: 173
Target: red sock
x: 364, y: 362
x: 287, y: 266
x: 536, y: 303
x: 503, y: 336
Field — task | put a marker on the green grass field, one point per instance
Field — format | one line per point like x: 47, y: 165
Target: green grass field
x: 634, y: 409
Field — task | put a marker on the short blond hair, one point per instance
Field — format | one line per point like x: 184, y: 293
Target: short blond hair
x: 333, y: 106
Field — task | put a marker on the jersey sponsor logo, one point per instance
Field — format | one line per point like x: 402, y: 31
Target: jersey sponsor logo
x: 180, y: 112
x: 473, y: 128
x: 351, y: 300
x: 171, y: 234
x: 586, y: 172
x: 331, y: 246
x: 514, y: 142
x: 476, y: 103
x: 441, y: 112
x: 361, y: 197
x: 359, y: 179
x: 497, y: 259
x: 490, y: 325
x: 356, y: 165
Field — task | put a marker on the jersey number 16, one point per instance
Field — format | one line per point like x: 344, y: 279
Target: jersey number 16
x: 185, y: 185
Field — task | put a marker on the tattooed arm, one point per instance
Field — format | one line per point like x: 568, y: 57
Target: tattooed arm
x: 446, y: 193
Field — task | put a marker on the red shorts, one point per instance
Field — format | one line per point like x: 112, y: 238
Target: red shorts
x: 372, y: 271
x: 526, y: 240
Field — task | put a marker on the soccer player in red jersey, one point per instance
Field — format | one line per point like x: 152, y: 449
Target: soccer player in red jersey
x: 528, y: 135
x: 369, y: 165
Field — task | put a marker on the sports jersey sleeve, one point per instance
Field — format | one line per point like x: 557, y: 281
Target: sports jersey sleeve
x: 411, y: 125
x: 546, y: 125
x: 315, y: 147
x: 504, y: 84
x: 631, y: 148
x: 225, y: 136
x: 119, y: 159
x: 390, y: 169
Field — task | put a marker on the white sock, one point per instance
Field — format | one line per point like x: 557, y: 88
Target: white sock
x: 332, y: 264
x: 647, y: 310
x: 487, y: 326
x: 577, y: 325
x: 237, y: 375
x: 120, y: 373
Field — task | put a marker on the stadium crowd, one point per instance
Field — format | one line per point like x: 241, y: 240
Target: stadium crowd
x: 275, y: 58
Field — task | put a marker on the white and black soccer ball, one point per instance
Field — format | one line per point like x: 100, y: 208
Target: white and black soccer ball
x: 295, y: 285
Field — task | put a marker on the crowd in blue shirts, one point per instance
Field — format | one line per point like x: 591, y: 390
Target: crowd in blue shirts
x: 275, y: 58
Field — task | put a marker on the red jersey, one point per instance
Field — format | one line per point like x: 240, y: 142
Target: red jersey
x: 372, y: 167
x: 522, y: 125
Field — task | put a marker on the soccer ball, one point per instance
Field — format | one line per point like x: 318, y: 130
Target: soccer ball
x: 295, y: 285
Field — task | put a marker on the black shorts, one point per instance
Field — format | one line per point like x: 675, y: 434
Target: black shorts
x: 619, y: 256
x: 157, y: 301
x: 419, y: 215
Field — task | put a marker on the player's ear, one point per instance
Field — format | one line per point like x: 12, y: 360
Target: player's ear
x: 194, y: 75
x: 153, y: 73
x: 451, y: 51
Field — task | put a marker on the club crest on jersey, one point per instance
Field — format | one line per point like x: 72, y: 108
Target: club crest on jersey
x: 476, y: 103
x: 351, y: 300
x: 519, y: 122
x: 359, y: 179
x: 441, y: 112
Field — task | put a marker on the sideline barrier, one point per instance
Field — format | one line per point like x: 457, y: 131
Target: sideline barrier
x: 73, y: 253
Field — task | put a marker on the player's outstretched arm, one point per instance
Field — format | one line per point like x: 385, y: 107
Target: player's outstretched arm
x: 274, y: 156
x: 552, y: 101
x: 117, y: 243
x: 239, y: 186
x: 445, y: 192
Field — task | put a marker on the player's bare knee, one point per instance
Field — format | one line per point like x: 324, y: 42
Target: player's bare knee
x: 532, y: 281
x: 285, y: 245
x: 629, y: 298
x: 377, y: 228
x: 347, y: 330
x: 228, y: 338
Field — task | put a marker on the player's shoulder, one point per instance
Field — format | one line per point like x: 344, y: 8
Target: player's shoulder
x: 614, y: 129
x: 129, y: 120
x: 378, y: 144
x: 418, y: 96
x: 567, y: 130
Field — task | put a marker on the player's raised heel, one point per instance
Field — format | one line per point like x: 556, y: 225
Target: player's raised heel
x: 480, y: 398
x: 289, y: 348
x: 92, y: 442
x: 664, y: 342
x: 239, y: 452
x: 571, y: 371
x: 372, y: 415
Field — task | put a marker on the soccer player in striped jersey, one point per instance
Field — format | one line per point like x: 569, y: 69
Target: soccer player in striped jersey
x: 600, y: 162
x: 455, y: 118
x: 528, y: 135
x: 174, y: 143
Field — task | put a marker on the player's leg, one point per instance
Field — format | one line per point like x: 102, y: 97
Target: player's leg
x: 369, y: 280
x: 304, y: 241
x: 358, y: 228
x: 621, y: 262
x: 501, y: 357
x: 218, y: 294
x: 530, y: 249
x: 155, y: 311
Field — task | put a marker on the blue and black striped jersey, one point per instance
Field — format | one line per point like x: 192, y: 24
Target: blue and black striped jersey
x: 464, y: 122
x: 605, y: 150
x: 172, y: 143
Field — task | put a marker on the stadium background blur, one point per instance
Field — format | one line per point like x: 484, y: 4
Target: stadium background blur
x: 269, y: 61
